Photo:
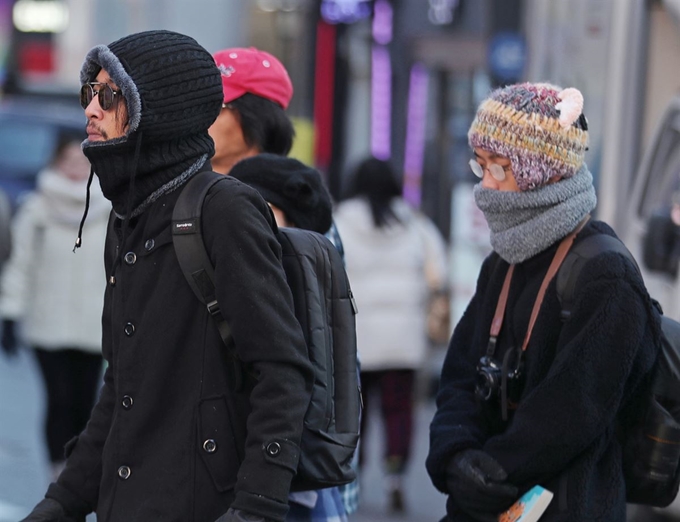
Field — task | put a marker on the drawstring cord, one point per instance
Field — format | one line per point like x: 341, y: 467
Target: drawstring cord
x: 79, y: 239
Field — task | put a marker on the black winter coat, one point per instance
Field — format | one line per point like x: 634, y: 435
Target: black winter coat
x: 168, y: 440
x: 581, y: 377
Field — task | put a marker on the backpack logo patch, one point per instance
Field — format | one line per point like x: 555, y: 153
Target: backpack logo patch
x: 184, y: 227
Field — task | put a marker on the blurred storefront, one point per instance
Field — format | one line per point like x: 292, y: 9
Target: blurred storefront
x: 399, y: 80
x: 46, y: 40
x: 396, y: 79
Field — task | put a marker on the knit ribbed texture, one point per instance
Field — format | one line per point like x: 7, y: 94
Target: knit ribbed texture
x: 524, y: 224
x: 173, y: 93
x: 521, y: 122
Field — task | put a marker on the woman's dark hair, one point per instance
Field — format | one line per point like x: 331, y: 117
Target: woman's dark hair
x: 265, y: 125
x: 64, y: 139
x: 375, y: 180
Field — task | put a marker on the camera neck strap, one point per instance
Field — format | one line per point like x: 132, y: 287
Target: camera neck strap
x: 557, y: 260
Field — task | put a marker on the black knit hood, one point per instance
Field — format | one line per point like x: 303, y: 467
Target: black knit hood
x: 173, y: 93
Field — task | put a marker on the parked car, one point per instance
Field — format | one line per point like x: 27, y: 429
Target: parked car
x: 29, y: 131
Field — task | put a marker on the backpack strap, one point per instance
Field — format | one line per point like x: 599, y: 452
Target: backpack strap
x: 187, y: 238
x: 580, y: 253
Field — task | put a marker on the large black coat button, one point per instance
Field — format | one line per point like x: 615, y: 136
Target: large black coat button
x: 273, y: 448
x: 210, y: 446
x: 130, y: 258
x: 129, y: 329
x: 124, y: 472
x: 127, y: 402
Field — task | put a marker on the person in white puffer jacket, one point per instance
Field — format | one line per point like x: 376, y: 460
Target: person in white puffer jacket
x: 51, y: 300
x: 395, y: 260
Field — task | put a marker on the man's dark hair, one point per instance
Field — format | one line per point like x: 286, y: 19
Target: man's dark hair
x: 375, y: 180
x: 265, y: 125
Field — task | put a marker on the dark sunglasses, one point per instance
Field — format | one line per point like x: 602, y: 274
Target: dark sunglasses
x: 105, y: 95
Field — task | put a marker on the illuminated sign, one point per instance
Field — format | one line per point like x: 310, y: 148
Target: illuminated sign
x: 40, y: 16
x: 441, y: 11
x: 345, y: 11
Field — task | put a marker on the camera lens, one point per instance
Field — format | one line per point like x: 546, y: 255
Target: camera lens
x: 486, y: 384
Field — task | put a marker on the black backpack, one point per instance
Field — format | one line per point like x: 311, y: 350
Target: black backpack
x: 325, y: 308
x: 651, y: 448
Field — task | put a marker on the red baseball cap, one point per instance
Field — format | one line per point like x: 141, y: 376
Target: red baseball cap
x: 257, y: 72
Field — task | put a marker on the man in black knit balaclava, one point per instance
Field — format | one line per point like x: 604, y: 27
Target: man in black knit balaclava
x: 174, y: 437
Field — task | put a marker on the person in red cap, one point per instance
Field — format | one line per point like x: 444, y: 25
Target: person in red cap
x: 257, y: 90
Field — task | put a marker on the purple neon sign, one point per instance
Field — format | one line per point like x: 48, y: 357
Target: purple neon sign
x: 415, y: 134
x: 382, y: 22
x: 381, y: 103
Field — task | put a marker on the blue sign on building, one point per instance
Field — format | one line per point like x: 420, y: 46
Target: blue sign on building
x: 507, y: 53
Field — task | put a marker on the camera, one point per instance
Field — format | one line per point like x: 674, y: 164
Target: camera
x: 489, y: 380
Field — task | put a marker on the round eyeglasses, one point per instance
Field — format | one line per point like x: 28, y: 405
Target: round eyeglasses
x: 105, y: 95
x: 496, y: 171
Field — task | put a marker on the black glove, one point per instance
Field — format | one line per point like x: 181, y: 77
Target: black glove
x: 236, y: 515
x: 48, y: 510
x: 477, y: 485
x: 9, y: 338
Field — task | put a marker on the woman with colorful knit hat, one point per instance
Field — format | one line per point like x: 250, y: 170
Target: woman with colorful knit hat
x: 526, y: 397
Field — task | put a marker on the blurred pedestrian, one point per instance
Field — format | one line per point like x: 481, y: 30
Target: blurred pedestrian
x: 395, y: 260
x: 298, y: 198
x: 55, y: 297
x: 257, y: 90
x: 526, y: 397
x: 174, y: 436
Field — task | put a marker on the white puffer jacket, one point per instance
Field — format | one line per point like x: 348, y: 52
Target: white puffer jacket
x: 56, y: 295
x: 391, y: 272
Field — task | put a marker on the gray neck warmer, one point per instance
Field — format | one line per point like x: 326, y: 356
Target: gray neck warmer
x: 524, y: 224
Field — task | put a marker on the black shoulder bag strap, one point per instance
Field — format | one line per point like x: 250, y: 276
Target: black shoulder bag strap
x: 579, y: 254
x: 187, y: 238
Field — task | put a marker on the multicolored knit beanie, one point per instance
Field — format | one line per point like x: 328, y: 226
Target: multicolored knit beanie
x: 538, y: 126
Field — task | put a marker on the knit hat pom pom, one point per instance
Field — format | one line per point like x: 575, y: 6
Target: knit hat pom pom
x: 570, y: 107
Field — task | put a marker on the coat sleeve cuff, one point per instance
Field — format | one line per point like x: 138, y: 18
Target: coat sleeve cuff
x: 72, y: 503
x: 264, y: 479
x: 265, y: 507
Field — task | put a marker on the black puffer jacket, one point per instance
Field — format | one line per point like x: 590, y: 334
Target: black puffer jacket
x: 581, y: 376
x: 168, y: 440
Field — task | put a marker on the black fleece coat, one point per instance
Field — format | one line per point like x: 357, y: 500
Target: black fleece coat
x: 581, y: 377
x: 168, y: 440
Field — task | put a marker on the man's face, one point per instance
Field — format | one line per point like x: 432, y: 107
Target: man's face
x: 107, y: 124
x: 230, y: 146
